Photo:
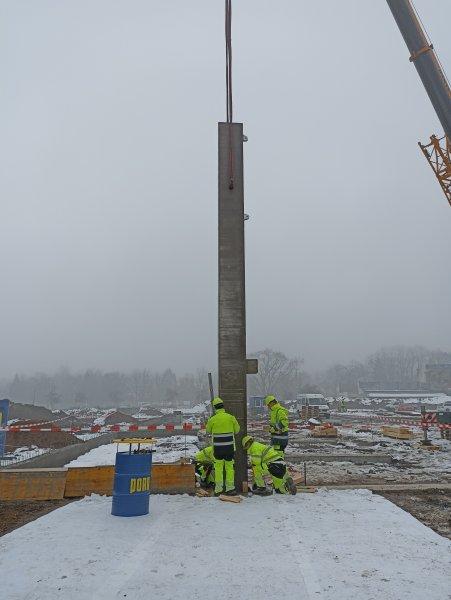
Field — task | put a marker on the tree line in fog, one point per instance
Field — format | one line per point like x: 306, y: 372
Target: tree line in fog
x: 278, y: 374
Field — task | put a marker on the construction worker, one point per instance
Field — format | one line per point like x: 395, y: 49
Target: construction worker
x: 223, y: 427
x: 278, y: 424
x: 266, y: 459
x: 204, y: 461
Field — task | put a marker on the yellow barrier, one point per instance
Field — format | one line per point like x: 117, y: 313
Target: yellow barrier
x: 398, y: 432
x: 76, y: 482
x: 32, y: 484
x: 83, y: 481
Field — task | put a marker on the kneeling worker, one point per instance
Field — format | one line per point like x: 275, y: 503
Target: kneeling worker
x: 223, y: 426
x: 266, y: 459
x: 204, y: 461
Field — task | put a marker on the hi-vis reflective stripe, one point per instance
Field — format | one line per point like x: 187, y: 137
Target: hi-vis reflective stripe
x: 279, y: 436
x: 223, y: 439
x: 139, y: 484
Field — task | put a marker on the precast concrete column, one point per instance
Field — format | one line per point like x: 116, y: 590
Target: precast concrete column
x: 231, y: 294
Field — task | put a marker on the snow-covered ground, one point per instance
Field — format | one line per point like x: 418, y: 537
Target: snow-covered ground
x: 411, y: 463
x: 86, y: 436
x: 167, y: 450
x: 21, y: 454
x: 328, y: 546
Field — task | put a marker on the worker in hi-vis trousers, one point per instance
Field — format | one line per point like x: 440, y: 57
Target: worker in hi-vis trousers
x: 223, y: 427
x: 205, y: 468
x: 278, y: 424
x: 266, y: 459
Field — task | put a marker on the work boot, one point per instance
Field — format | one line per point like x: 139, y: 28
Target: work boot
x: 262, y: 491
x: 231, y: 493
x: 291, y: 486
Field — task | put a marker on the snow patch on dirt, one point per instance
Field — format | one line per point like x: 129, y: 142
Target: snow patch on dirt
x: 167, y: 450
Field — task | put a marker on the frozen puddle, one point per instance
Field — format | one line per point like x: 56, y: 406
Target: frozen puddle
x: 340, y: 545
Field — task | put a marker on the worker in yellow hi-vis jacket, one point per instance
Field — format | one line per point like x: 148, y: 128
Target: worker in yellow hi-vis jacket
x: 278, y: 424
x: 223, y: 427
x: 205, y: 469
x: 266, y: 459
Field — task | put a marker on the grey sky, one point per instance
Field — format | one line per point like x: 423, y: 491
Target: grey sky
x: 108, y: 144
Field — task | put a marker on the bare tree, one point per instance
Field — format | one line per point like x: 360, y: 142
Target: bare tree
x: 201, y: 385
x: 400, y: 365
x: 275, y: 372
x: 53, y: 398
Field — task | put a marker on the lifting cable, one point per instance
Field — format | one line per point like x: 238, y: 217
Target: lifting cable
x: 229, y: 102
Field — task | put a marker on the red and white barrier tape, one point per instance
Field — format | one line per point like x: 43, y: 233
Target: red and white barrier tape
x: 187, y: 427
x: 104, y: 428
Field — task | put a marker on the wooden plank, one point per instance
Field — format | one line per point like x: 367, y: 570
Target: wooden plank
x: 307, y: 489
x: 235, y: 499
x: 323, y: 431
x: 397, y: 432
x: 391, y: 487
x: 32, y: 484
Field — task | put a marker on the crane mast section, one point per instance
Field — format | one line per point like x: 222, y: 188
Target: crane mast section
x: 423, y: 56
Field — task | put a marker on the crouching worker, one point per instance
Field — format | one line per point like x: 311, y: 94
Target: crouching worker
x: 266, y: 459
x: 204, y: 461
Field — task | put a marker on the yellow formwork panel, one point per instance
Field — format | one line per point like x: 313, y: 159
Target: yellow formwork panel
x: 32, y: 484
x: 76, y: 482
x: 83, y: 481
x: 173, y: 478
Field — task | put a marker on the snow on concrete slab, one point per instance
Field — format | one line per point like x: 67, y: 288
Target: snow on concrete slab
x: 167, y: 450
x: 328, y: 546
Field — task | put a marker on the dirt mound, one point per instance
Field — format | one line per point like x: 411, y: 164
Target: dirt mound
x: 30, y: 412
x: 117, y: 417
x: 41, y: 439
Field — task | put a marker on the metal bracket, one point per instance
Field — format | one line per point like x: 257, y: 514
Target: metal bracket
x: 415, y: 55
x: 252, y: 366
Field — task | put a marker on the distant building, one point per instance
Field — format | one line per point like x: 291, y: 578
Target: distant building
x: 310, y: 400
x: 314, y: 401
x: 256, y: 406
x: 381, y: 390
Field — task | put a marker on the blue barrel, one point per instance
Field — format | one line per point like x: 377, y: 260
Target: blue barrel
x: 131, y: 488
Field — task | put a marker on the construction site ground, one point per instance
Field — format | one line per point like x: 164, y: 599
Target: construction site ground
x: 15, y: 513
x: 433, y: 508
x: 410, y: 464
x: 332, y: 545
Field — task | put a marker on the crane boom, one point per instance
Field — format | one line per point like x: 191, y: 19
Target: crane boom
x: 422, y: 54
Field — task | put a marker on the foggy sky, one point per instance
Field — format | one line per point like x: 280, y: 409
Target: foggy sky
x: 108, y: 181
